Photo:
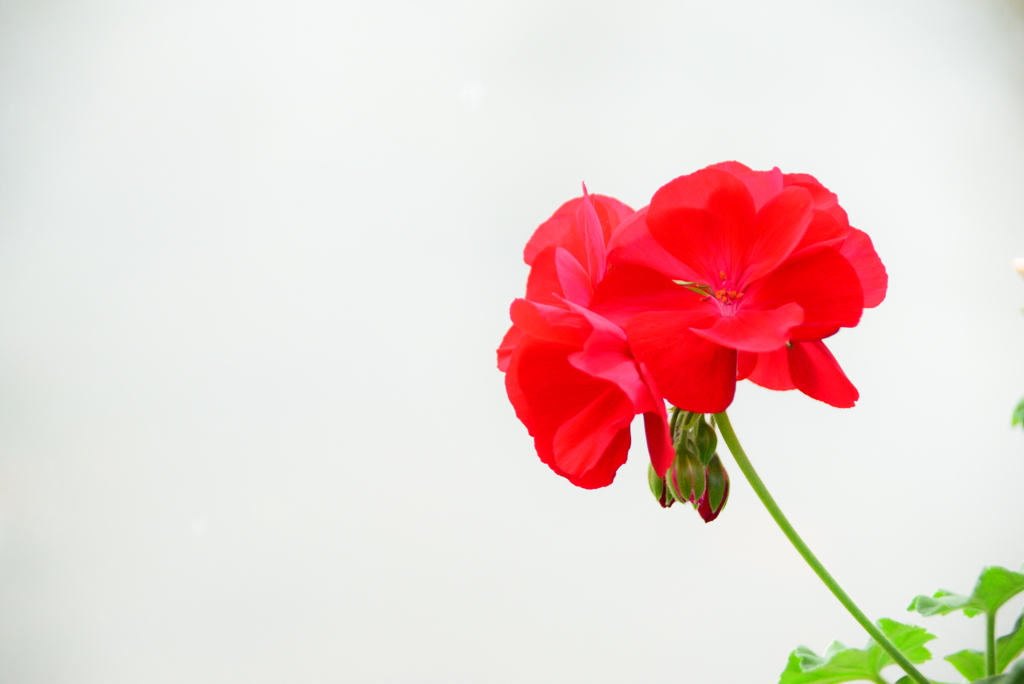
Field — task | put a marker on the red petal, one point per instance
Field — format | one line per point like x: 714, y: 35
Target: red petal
x: 763, y: 185
x: 508, y: 345
x: 606, y: 355
x: 823, y: 231
x: 633, y: 244
x: 754, y: 330
x: 691, y: 372
x: 816, y: 373
x: 733, y: 167
x: 813, y: 332
x: 583, y: 445
x: 550, y: 323
x: 745, y: 363
x: 580, y: 424
x: 563, y: 230
x: 602, y: 473
x: 656, y: 426
x: 629, y: 290
x: 550, y: 233
x: 772, y: 370
x: 543, y: 285
x: 659, y: 442
x: 821, y: 281
x: 573, y: 277
x: 515, y: 392
x: 593, y: 240
x: 705, y: 221
x: 873, y: 278
x: 777, y: 230
x: 611, y: 212
x: 824, y: 199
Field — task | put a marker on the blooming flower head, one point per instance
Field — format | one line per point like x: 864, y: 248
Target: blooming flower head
x: 569, y: 372
x: 732, y: 274
x: 728, y: 274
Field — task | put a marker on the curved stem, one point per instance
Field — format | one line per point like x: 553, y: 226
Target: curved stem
x: 722, y: 420
x: 990, y: 644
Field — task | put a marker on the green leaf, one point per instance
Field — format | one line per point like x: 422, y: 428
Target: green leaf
x: 839, y: 664
x: 1018, y: 414
x: 994, y: 588
x: 909, y: 639
x: 1009, y: 646
x: 969, y: 663
x: 1014, y: 676
x: 842, y: 664
x: 941, y: 602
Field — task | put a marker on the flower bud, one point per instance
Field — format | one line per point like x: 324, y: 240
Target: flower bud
x: 659, y: 488
x: 706, y: 441
x: 685, y: 478
x: 716, y: 491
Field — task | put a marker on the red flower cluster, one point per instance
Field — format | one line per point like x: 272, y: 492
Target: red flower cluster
x: 728, y: 274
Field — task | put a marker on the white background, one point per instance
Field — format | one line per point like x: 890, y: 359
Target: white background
x: 255, y: 259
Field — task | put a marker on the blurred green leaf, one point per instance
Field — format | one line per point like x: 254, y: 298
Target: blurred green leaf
x: 941, y: 602
x: 969, y: 663
x: 1018, y: 414
x: 1010, y: 645
x: 995, y: 587
x: 1014, y: 676
x: 842, y: 664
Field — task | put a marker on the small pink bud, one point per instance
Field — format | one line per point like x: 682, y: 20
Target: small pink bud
x: 716, y: 490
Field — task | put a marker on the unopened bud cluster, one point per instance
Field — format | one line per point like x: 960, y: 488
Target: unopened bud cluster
x: 696, y: 476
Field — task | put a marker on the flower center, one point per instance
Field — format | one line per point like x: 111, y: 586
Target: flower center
x: 728, y: 299
x: 727, y: 296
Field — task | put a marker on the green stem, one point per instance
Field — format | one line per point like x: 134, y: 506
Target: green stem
x: 990, y: 644
x: 729, y: 435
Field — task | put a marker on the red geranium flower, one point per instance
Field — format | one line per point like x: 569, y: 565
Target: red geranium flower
x: 732, y: 273
x: 569, y: 373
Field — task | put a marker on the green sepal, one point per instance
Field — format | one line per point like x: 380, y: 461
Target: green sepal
x: 842, y: 664
x: 969, y: 663
x: 686, y: 478
x: 1018, y: 414
x: 658, y: 488
x: 716, y: 482
x: 683, y: 441
x: 706, y: 442
x: 656, y: 483
x: 995, y: 587
x: 682, y: 422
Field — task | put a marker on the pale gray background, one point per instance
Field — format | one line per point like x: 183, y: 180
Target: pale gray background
x: 254, y: 262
